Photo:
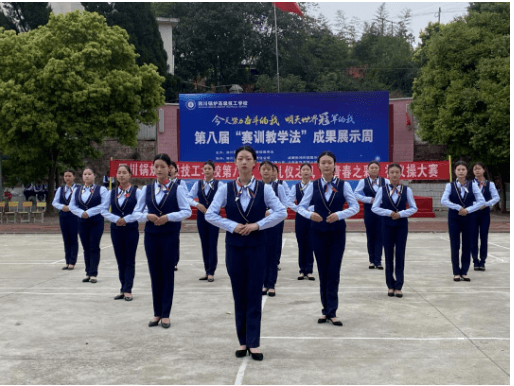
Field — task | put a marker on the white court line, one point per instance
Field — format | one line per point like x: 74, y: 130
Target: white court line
x: 372, y: 338
x: 55, y: 262
x: 489, y: 255
x: 242, y: 368
x: 499, y: 246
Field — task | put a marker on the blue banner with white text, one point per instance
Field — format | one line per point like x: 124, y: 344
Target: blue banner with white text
x: 289, y: 127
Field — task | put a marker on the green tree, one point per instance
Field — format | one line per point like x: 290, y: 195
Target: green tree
x: 67, y: 85
x: 139, y: 21
x: 24, y: 17
x: 462, y: 96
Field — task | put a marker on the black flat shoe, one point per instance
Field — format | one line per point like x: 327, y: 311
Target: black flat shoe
x: 128, y: 298
x: 456, y: 279
x: 118, y: 297
x: 64, y: 268
x: 271, y: 294
x: 482, y: 268
x: 389, y: 293
x: 399, y: 295
x: 380, y: 267
x: 241, y: 353
x: 311, y: 278
x: 466, y: 279
x: 299, y: 277
x: 256, y: 356
x: 203, y: 278
x: 85, y: 280
x: 322, y: 320
x: 336, y: 323
x: 371, y: 266
x: 210, y: 280
x: 165, y: 325
x: 264, y: 292
x: 151, y: 323
x: 176, y: 268
x: 474, y: 269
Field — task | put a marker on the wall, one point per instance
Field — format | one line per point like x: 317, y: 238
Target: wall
x: 168, y: 141
x: 403, y: 138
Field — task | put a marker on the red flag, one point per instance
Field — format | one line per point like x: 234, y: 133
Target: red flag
x: 289, y: 7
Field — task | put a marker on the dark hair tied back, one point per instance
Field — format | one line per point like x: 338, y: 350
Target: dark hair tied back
x: 164, y: 157
x: 306, y: 164
x: 210, y: 163
x: 68, y: 171
x: 247, y: 148
x: 460, y: 163
x: 90, y: 168
x: 327, y: 152
x: 394, y: 165
x: 373, y: 162
x: 265, y: 163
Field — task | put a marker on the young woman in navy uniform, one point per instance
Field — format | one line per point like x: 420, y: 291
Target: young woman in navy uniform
x: 245, y: 201
x: 365, y: 192
x: 328, y: 230
x: 172, y: 176
x: 67, y: 220
x: 482, y: 216
x: 124, y: 229
x: 87, y: 204
x: 205, y: 190
x: 274, y: 234
x: 274, y: 178
x: 463, y: 198
x: 391, y: 204
x: 302, y: 225
x: 163, y: 205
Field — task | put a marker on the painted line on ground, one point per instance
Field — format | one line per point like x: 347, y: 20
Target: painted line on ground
x: 499, y: 246
x: 374, y: 338
x: 241, y: 372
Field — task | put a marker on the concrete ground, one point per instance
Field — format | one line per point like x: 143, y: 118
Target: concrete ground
x: 54, y: 329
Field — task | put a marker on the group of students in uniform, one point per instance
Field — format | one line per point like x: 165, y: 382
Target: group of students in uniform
x: 254, y: 223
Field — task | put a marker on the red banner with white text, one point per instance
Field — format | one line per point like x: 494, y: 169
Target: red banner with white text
x: 422, y: 170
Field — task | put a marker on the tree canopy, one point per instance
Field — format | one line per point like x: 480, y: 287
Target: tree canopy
x: 23, y: 17
x: 67, y: 85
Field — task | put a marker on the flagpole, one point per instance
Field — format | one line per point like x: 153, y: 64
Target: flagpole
x: 276, y: 47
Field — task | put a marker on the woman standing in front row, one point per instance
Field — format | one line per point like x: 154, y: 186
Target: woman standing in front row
x: 391, y: 203
x: 245, y: 201
x: 163, y: 205
x: 67, y: 220
x: 205, y: 190
x: 124, y: 229
x: 482, y: 216
x: 462, y: 197
x: 87, y: 203
x: 302, y: 225
x: 328, y: 230
x: 366, y: 192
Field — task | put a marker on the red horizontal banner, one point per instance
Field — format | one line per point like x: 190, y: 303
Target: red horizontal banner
x: 424, y: 170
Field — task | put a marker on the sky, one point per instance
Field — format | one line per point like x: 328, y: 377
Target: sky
x: 422, y: 13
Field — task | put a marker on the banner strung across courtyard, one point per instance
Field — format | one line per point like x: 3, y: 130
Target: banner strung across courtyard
x: 428, y: 170
x: 291, y: 127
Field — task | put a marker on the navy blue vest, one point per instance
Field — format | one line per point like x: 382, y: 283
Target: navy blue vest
x: 256, y: 211
x: 203, y: 199
x: 370, y: 192
x: 486, y: 192
x: 455, y: 197
x: 63, y: 201
x: 127, y: 208
x: 324, y: 208
x: 399, y: 206
x: 95, y: 199
x: 168, y: 204
x: 299, y: 219
x: 275, y: 190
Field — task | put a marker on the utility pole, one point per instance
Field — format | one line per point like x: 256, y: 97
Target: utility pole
x: 439, y: 16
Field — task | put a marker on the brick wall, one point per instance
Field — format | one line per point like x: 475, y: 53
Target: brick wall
x: 434, y: 190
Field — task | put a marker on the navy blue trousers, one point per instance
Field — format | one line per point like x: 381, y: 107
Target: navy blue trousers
x: 373, y: 223
x: 457, y: 226
x: 305, y: 253
x: 161, y: 255
x: 124, y: 241
x: 246, y: 266
x: 90, y: 233
x: 328, y: 249
x: 69, y: 228
x: 209, y: 238
x: 395, y: 242
x: 274, y: 236
x: 481, y: 230
x: 279, y: 241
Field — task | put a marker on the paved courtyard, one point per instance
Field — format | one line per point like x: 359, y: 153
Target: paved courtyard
x: 54, y: 329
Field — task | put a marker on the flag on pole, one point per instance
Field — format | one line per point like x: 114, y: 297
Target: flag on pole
x: 289, y: 7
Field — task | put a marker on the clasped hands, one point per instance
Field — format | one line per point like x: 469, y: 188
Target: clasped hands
x: 157, y: 220
x: 395, y: 215
x: 330, y: 219
x: 463, y: 211
x: 246, y: 229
